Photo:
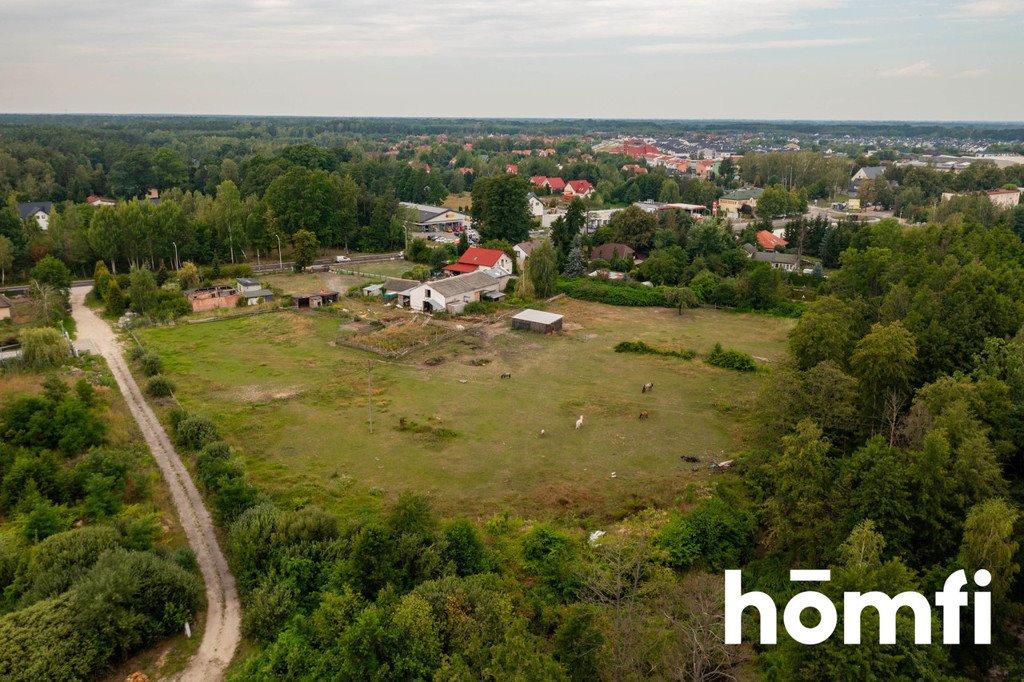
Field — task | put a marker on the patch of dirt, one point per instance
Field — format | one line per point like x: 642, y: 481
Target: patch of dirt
x: 571, y: 326
x: 259, y: 394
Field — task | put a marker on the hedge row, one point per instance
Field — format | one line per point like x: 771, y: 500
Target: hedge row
x: 614, y: 293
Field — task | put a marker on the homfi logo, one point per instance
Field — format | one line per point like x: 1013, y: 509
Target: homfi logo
x: 951, y: 599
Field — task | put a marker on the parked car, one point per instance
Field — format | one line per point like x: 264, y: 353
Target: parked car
x: 341, y: 259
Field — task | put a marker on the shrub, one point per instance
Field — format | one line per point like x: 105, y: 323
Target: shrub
x: 715, y: 534
x: 43, y: 348
x: 614, y: 293
x: 195, y: 431
x: 268, y: 608
x: 643, y: 348
x: 136, y: 353
x: 160, y: 386
x: 151, y: 364
x: 731, y: 359
x: 478, y: 308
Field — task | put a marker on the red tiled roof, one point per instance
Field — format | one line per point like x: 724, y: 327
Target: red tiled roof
x: 512, y: 168
x: 556, y: 183
x: 580, y: 186
x: 538, y: 180
x: 460, y: 267
x: 769, y: 241
x: 476, y: 256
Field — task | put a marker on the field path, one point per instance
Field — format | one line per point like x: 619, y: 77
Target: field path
x: 223, y: 615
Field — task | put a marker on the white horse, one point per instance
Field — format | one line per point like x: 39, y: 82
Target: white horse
x: 579, y: 422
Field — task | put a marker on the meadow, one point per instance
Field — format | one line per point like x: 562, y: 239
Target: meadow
x: 297, y: 408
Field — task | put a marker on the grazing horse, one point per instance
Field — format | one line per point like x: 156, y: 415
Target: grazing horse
x: 579, y: 422
x: 506, y: 375
x: 649, y: 386
x: 542, y: 432
x: 644, y: 414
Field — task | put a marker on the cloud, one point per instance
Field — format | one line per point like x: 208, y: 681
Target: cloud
x: 244, y: 31
x: 974, y: 73
x: 915, y: 70
x: 739, y: 46
x: 985, y: 9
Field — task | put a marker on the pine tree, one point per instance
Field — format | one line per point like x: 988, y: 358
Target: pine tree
x: 575, y: 263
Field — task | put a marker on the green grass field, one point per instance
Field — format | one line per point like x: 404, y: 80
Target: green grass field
x: 295, y: 405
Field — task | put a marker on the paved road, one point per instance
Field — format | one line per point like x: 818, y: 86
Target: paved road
x: 223, y: 615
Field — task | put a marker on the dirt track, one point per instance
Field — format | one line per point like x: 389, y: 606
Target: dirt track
x: 223, y: 615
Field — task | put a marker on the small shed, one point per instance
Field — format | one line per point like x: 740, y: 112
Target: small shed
x: 6, y: 308
x: 537, y: 321
x: 374, y: 290
x: 316, y: 300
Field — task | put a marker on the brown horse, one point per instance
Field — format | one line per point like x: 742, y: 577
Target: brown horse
x: 649, y: 386
x: 644, y: 414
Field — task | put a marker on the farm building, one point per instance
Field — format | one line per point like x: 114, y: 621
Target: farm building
x: 6, y: 308
x: 315, y: 300
x: 537, y: 321
x: 252, y: 291
x: 450, y: 294
x: 208, y: 298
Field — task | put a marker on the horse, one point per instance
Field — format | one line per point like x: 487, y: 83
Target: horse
x: 649, y: 386
x: 644, y: 414
x: 579, y: 422
x: 542, y: 432
x: 506, y: 375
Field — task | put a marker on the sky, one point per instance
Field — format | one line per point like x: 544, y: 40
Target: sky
x: 676, y: 59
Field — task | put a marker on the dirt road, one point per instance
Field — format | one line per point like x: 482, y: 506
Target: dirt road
x: 223, y: 616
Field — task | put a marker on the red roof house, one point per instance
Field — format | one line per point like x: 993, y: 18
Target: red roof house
x: 538, y: 180
x: 768, y: 241
x: 555, y: 184
x: 512, y: 168
x: 477, y: 258
x: 580, y: 188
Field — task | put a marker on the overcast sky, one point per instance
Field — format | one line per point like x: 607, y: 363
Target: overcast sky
x: 804, y: 59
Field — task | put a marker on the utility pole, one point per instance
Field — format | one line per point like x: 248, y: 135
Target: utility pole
x: 369, y: 392
x: 280, y: 262
x: 177, y: 265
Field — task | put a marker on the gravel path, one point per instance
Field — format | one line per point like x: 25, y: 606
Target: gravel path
x: 223, y: 615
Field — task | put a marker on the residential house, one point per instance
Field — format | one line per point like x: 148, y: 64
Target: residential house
x: 732, y: 203
x: 779, y: 261
x: 867, y: 173
x: 537, y: 321
x: 450, y: 294
x: 476, y: 258
x: 208, y: 298
x: 438, y: 218
x: 769, y: 241
x: 40, y: 210
x: 524, y: 249
x: 6, y: 308
x: 633, y: 168
x: 538, y: 181
x: 608, y: 251
x: 536, y: 205
x: 97, y: 200
x: 252, y: 291
x: 578, y: 188
x: 511, y: 169
x: 555, y: 185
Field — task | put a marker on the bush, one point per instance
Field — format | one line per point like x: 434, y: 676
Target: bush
x: 614, y: 293
x: 478, y: 308
x: 43, y: 348
x: 268, y: 608
x: 136, y: 353
x: 643, y: 348
x: 715, y: 534
x: 731, y: 359
x: 195, y: 431
x: 160, y: 386
x: 226, y: 271
x: 151, y: 364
